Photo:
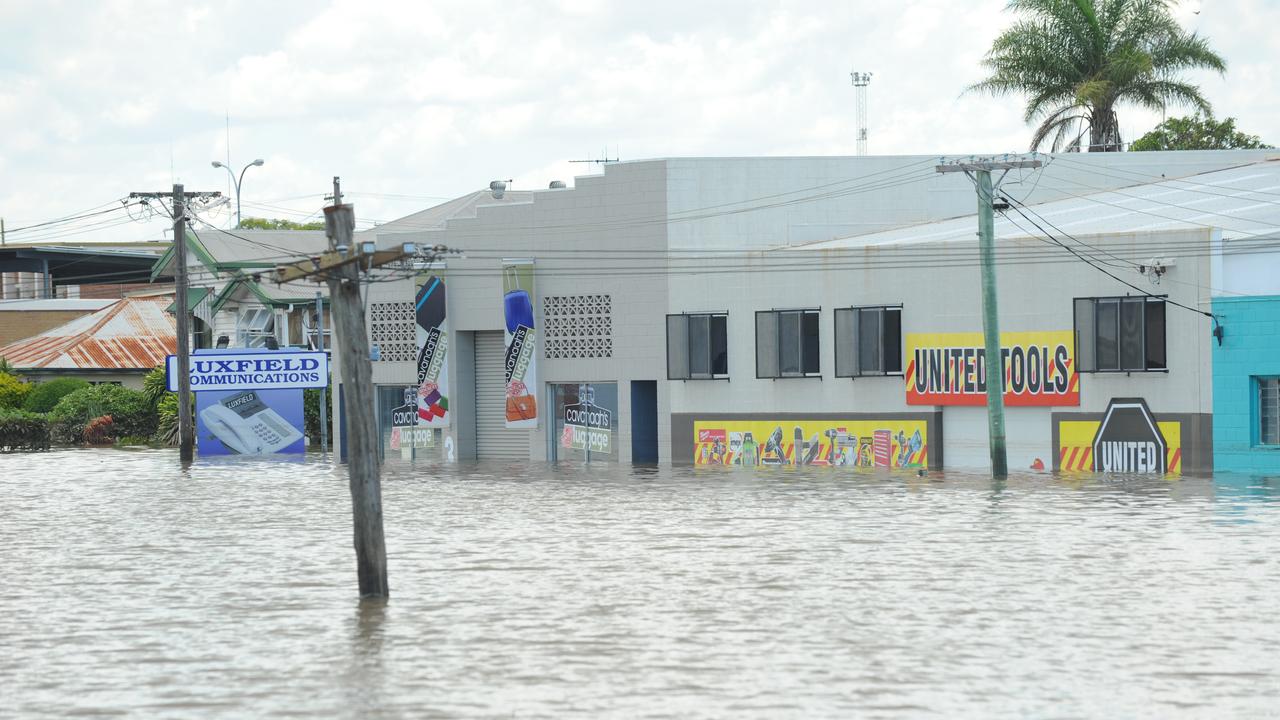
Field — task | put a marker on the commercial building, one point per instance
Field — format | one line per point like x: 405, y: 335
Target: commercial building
x: 824, y: 311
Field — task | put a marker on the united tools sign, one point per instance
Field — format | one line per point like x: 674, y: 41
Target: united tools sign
x: 1128, y: 440
x: 432, y: 335
x: 521, y: 361
x: 950, y: 369
x: 587, y: 427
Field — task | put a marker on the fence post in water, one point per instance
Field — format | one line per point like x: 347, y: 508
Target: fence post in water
x: 357, y: 377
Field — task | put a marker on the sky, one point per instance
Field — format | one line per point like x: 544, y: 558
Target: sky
x: 412, y: 103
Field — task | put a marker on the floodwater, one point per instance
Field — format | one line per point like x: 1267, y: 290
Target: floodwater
x: 133, y: 588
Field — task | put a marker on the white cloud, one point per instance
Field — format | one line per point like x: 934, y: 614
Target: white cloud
x: 436, y: 99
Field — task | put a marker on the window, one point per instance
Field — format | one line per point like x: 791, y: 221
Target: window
x: 254, y: 325
x: 1269, y: 411
x: 869, y: 341
x: 697, y: 346
x: 1120, y: 334
x: 787, y: 343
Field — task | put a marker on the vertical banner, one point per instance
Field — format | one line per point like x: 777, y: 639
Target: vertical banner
x: 521, y: 361
x: 432, y: 335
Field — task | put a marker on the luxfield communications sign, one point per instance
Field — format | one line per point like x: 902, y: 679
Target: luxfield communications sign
x: 252, y: 370
x: 1038, y: 368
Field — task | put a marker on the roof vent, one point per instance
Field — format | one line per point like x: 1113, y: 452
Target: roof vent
x: 556, y: 185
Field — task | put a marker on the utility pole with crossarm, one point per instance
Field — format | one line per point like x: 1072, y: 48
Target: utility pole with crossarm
x: 979, y: 170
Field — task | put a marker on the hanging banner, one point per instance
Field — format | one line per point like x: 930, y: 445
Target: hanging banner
x: 432, y: 335
x: 851, y: 443
x: 521, y: 362
x: 1039, y: 369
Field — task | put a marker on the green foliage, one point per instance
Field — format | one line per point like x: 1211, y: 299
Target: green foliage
x: 45, y: 396
x: 129, y: 410
x: 154, y: 385
x: 167, y: 419
x: 1197, y: 133
x: 1077, y: 60
x: 311, y: 415
x: 253, y: 223
x: 6, y: 368
x: 20, y: 430
x: 13, y: 391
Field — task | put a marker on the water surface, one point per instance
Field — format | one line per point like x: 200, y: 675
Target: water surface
x: 135, y: 588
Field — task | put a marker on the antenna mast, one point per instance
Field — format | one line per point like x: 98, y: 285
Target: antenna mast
x: 860, y: 82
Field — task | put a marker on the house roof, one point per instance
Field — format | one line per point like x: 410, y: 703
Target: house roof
x: 1242, y: 202
x: 131, y: 333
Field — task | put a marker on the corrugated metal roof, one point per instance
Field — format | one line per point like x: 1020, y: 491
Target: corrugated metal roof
x: 133, y: 333
x: 1242, y: 202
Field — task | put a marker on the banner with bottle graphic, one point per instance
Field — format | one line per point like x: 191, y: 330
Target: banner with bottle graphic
x: 1039, y: 369
x: 432, y: 336
x: 852, y: 443
x: 521, y: 361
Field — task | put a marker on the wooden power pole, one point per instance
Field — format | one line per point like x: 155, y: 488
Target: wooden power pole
x: 186, y: 429
x: 993, y: 362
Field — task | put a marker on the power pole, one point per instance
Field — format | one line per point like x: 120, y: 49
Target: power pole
x: 860, y: 83
x: 993, y: 362
x: 186, y: 431
x: 324, y: 391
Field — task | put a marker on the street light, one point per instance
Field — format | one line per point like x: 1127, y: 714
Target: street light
x: 258, y: 163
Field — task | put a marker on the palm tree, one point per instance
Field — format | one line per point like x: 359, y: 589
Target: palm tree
x: 1077, y: 59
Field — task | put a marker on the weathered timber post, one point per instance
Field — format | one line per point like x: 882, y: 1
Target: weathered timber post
x: 357, y: 379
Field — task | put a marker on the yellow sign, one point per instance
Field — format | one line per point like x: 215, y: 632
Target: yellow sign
x: 853, y: 443
x: 950, y: 369
x: 1075, y: 445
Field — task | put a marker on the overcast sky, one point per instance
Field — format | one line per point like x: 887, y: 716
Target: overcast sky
x: 415, y: 102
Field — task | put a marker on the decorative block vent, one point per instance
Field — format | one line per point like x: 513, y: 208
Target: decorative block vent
x: 578, y: 326
x: 391, y: 328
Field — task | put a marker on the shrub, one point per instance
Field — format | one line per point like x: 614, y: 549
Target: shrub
x: 129, y: 410
x: 167, y: 419
x: 13, y: 392
x: 21, y: 430
x: 45, y: 396
x: 155, y: 385
x: 100, y: 431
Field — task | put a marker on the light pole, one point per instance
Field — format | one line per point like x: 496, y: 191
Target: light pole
x: 237, y: 181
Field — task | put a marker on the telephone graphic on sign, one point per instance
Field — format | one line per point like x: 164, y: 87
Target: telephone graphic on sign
x: 246, y: 425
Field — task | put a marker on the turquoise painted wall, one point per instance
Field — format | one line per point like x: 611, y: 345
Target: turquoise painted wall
x: 1250, y: 348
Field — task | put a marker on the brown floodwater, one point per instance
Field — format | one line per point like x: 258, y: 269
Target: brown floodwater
x: 135, y: 588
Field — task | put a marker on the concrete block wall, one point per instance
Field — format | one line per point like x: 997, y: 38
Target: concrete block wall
x: 1250, y: 349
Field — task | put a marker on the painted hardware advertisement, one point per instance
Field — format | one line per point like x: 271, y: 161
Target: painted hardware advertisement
x: 1129, y: 439
x: 1039, y: 369
x: 521, y: 361
x: 432, y: 336
x: 853, y: 443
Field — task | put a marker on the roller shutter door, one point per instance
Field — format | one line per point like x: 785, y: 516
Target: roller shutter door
x: 493, y: 440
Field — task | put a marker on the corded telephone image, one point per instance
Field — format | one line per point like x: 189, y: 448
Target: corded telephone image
x: 247, y: 426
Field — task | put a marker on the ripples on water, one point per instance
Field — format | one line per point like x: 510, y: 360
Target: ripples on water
x: 228, y: 590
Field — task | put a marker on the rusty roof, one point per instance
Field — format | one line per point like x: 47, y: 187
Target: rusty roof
x: 132, y: 333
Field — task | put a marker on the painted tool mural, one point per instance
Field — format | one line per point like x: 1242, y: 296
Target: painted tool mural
x: 853, y: 443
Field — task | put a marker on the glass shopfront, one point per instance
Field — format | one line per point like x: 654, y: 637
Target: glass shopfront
x: 585, y: 422
x: 398, y: 429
